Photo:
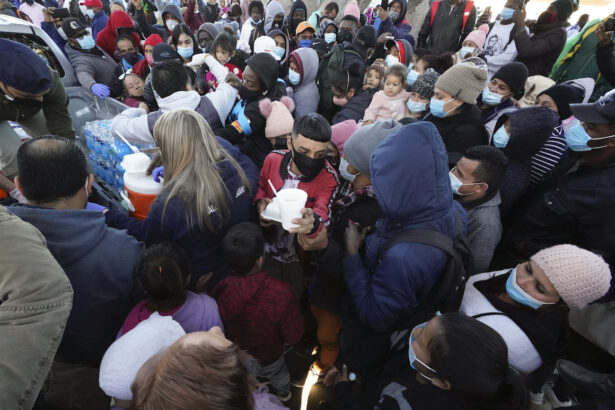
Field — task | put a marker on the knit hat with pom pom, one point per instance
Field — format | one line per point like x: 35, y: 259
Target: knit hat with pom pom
x: 278, y: 114
x: 478, y: 36
x: 579, y: 276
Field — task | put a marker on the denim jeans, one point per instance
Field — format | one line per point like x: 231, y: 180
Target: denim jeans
x: 276, y: 372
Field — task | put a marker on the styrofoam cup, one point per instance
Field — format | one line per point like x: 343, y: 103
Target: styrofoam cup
x: 291, y: 201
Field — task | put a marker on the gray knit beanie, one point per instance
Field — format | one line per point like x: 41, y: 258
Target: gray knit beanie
x: 426, y: 83
x: 364, y: 141
x: 464, y: 81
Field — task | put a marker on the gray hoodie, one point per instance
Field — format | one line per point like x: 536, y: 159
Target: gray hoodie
x: 91, y: 67
x: 305, y: 94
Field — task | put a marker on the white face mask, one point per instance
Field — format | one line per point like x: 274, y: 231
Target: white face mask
x: 170, y: 23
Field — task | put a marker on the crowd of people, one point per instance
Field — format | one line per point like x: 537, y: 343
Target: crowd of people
x: 454, y: 252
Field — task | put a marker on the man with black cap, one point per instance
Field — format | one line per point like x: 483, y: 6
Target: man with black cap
x: 93, y: 66
x: 507, y: 83
x: 576, y: 206
x: 32, y: 95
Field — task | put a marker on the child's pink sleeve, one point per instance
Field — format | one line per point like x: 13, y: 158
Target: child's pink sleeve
x: 372, y: 111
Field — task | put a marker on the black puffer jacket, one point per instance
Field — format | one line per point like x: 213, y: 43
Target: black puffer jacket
x: 355, y: 108
x: 540, y: 51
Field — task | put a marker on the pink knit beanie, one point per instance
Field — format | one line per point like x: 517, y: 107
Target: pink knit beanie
x: 579, y: 276
x: 352, y: 9
x: 340, y: 133
x: 478, y: 36
x: 278, y: 114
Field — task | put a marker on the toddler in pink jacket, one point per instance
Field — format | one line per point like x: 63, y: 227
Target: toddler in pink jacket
x: 390, y: 103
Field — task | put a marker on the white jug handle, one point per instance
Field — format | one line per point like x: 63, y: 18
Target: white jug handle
x: 124, y: 196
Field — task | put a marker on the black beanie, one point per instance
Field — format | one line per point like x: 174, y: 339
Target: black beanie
x: 514, y: 75
x: 564, y: 95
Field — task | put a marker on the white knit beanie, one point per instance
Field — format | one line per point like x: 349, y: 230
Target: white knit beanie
x: 579, y: 276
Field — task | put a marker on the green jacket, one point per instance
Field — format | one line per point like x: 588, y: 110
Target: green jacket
x: 54, y: 106
x: 578, y: 60
x: 35, y: 301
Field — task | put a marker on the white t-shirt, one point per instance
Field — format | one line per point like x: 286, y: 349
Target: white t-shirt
x: 35, y: 12
x: 496, y: 51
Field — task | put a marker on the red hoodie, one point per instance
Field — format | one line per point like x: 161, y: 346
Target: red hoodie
x: 260, y: 314
x: 106, y: 37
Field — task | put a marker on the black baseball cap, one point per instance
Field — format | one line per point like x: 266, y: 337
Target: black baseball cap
x: 164, y: 52
x: 71, y: 25
x: 599, y: 112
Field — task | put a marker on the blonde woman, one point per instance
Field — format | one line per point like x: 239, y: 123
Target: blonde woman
x: 205, y: 192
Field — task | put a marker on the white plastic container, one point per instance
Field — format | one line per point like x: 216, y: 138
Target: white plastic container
x: 141, y: 189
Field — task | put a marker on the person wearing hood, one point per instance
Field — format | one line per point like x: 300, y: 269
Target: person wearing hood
x: 282, y: 49
x: 93, y: 66
x: 206, y: 35
x: 209, y: 12
x: 393, y: 21
x: 246, y: 126
x: 254, y: 26
x: 540, y: 51
x: 53, y: 178
x: 171, y: 85
x: 259, y: 311
x: 191, y: 18
x: 143, y: 67
x: 395, y: 52
x: 520, y: 135
x: 171, y: 17
x: 501, y: 93
x: 414, y: 194
x: 328, y: 31
x: 453, y: 109
x: 302, y: 77
x: 274, y: 16
x: 446, y: 25
x: 298, y: 14
x: 119, y: 23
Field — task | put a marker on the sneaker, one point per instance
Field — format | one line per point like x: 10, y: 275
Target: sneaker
x: 284, y: 397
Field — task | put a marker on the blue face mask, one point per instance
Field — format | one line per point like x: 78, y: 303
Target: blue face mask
x: 391, y: 60
x: 436, y: 107
x: 280, y: 52
x: 330, y: 38
x: 344, y: 171
x: 412, y: 77
x: 577, y: 139
x: 412, y: 356
x: 491, y: 98
x: 501, y: 137
x: 86, y: 42
x: 415, y: 106
x: 256, y: 23
x: 514, y: 291
x: 507, y: 13
x: 294, y: 77
x: 305, y: 43
x: 466, y: 50
x: 185, y: 52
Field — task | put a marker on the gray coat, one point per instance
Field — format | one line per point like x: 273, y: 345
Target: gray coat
x: 91, y: 68
x: 484, y: 232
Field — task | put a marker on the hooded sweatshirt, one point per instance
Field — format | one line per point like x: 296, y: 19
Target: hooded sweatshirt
x: 289, y: 25
x: 260, y: 314
x: 400, y: 28
x: 210, y: 29
x: 273, y: 9
x: 99, y: 262
x: 414, y: 194
x: 106, y: 38
x: 306, y: 94
x: 284, y: 60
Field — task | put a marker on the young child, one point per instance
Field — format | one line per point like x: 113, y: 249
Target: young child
x: 373, y: 77
x: 164, y: 274
x: 390, y: 103
x: 223, y: 49
x: 260, y: 312
x: 134, y: 87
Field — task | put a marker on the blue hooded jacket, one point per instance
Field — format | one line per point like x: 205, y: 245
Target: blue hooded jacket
x: 409, y: 173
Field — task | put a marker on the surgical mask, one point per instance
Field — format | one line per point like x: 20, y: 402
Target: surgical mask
x: 393, y: 15
x: 466, y: 50
x: 491, y: 98
x: 170, y: 23
x: 86, y: 42
x: 62, y: 34
x: 507, y: 13
x: 577, y: 139
x: 149, y: 59
x: 90, y: 13
x: 340, y: 101
x: 416, y: 107
x: 436, y: 107
x: 519, y: 295
x: 344, y: 171
x: 280, y: 52
x: 456, y: 184
x: 391, y: 60
x: 185, y: 52
x: 305, y: 43
x: 412, y: 77
x: 309, y: 167
x: 330, y: 38
x: 294, y: 77
x: 412, y: 356
x: 256, y: 23
x: 501, y: 137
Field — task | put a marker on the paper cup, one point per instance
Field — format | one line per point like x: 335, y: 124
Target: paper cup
x: 291, y: 201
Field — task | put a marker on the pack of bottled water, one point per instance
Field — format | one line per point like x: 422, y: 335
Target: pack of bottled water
x: 106, y: 152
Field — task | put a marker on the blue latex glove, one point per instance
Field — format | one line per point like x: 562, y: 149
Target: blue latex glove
x: 94, y: 207
x: 157, y: 173
x: 100, y: 90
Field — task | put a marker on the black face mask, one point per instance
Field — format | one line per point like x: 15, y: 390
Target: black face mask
x: 309, y: 167
x: 132, y: 58
x: 277, y: 24
x: 248, y: 95
x: 344, y: 35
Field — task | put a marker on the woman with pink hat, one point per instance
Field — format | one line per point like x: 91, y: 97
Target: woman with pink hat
x: 473, y: 44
